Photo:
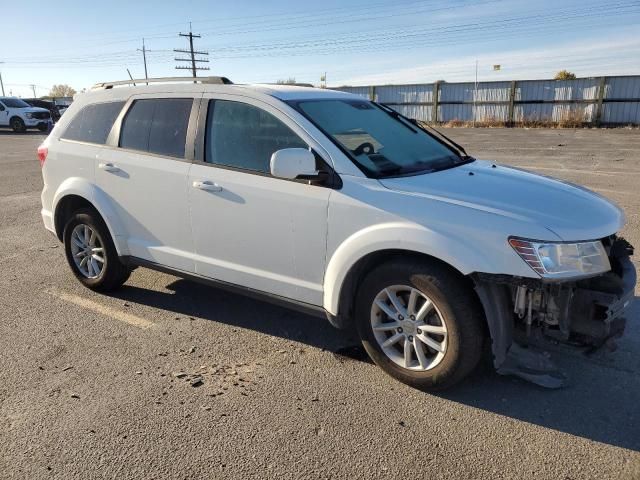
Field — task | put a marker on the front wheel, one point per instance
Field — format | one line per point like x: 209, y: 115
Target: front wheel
x: 420, y: 322
x: 91, y: 253
x: 18, y: 126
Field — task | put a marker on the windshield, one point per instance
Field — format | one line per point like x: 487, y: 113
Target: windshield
x: 15, y: 103
x: 379, y: 141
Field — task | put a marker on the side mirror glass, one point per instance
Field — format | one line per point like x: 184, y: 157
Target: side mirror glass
x: 292, y: 163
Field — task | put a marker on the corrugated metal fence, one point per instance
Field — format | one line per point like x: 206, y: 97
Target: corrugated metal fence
x: 595, y: 101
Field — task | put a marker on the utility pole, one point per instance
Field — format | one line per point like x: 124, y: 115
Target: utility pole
x: 1, y: 84
x: 33, y: 87
x: 144, y: 57
x: 192, y: 55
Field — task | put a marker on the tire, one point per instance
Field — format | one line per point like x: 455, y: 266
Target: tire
x: 18, y: 125
x: 112, y: 272
x: 445, y: 315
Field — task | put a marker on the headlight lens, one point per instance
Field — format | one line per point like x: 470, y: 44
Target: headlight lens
x: 29, y: 115
x: 562, y: 260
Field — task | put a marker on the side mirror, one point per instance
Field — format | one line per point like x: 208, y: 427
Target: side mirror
x: 293, y: 163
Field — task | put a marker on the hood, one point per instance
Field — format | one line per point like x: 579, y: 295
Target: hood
x: 34, y: 109
x: 569, y: 211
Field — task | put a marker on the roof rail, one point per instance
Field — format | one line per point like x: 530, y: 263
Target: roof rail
x: 295, y: 84
x: 210, y: 80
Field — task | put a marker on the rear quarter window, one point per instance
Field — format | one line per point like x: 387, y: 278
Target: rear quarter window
x: 93, y: 123
x: 157, y: 126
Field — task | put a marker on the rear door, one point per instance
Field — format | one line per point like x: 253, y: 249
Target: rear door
x: 144, y: 171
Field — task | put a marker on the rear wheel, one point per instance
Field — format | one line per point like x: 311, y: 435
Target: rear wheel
x: 91, y: 253
x: 17, y: 124
x: 420, y: 322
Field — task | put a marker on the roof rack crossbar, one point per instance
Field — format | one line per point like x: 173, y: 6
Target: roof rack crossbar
x: 141, y: 81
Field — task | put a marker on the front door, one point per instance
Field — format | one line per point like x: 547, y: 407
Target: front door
x: 4, y: 115
x: 249, y: 228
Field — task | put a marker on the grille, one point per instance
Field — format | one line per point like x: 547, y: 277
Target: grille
x: 41, y: 115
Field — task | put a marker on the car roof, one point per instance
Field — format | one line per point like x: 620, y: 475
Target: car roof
x: 281, y: 92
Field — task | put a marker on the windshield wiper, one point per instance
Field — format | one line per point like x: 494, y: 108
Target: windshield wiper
x: 395, y: 115
x: 457, y: 146
x: 461, y: 151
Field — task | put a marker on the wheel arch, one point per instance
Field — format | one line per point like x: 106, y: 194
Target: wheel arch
x: 17, y: 117
x: 361, y: 252
x: 76, y: 193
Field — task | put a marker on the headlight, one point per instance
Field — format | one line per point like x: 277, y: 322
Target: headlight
x: 29, y: 115
x: 563, y: 260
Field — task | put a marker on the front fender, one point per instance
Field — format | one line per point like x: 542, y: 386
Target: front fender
x: 100, y: 201
x: 396, y: 236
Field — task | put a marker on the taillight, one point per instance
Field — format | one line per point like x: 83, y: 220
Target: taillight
x: 42, y: 155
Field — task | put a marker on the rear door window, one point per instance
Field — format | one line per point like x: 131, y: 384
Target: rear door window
x: 93, y: 123
x: 157, y: 126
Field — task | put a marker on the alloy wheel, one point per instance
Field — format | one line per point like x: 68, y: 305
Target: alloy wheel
x: 87, y: 251
x: 409, y: 328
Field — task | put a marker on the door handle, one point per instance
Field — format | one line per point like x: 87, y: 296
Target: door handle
x: 207, y: 186
x: 108, y: 167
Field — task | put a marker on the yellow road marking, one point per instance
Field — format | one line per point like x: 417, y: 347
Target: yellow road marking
x: 102, y: 309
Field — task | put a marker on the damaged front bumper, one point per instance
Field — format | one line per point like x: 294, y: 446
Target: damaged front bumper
x: 522, y: 313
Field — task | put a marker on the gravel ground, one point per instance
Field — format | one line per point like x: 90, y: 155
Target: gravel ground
x: 169, y: 379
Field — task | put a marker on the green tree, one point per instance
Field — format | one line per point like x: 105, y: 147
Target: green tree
x: 62, y: 90
x: 288, y: 81
x: 565, y: 75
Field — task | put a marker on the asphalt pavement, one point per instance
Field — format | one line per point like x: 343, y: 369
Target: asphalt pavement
x: 170, y: 379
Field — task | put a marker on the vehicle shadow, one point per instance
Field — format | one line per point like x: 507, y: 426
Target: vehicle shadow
x: 600, y: 403
x: 192, y: 299
x: 29, y: 133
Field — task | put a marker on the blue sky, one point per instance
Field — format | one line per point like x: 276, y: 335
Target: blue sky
x: 356, y: 42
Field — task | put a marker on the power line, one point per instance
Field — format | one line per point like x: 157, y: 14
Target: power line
x: 192, y: 53
x: 388, y: 36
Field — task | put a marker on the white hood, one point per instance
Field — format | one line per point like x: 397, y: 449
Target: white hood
x: 570, y: 211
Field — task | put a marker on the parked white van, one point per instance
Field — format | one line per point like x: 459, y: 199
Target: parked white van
x: 342, y: 207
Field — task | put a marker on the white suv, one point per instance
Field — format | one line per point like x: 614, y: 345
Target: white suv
x: 20, y: 116
x: 340, y: 206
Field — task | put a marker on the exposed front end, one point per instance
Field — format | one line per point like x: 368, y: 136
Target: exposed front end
x: 38, y: 118
x: 585, y: 311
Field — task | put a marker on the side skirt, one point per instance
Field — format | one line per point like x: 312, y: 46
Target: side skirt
x: 301, y: 307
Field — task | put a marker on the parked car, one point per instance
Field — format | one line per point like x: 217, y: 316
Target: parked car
x: 342, y: 207
x: 20, y: 116
x: 52, y: 107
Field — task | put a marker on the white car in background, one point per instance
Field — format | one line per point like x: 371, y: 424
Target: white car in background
x: 342, y: 207
x: 19, y: 115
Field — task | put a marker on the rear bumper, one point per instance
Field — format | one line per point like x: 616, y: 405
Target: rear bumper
x: 47, y: 219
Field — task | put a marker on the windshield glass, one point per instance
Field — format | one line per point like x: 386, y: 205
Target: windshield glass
x: 15, y: 103
x: 380, y: 143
